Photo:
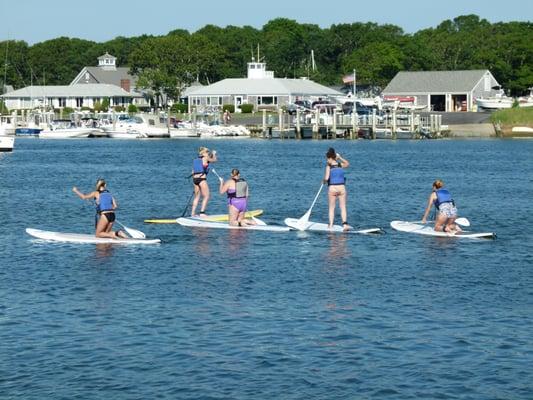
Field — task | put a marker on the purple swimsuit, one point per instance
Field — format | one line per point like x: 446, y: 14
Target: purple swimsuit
x: 240, y: 203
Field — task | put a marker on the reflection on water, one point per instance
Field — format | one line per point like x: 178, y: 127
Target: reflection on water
x: 104, y: 250
x: 338, y: 249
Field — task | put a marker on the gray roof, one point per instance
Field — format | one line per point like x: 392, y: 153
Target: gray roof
x: 106, y: 55
x: 263, y: 87
x: 434, y: 81
x: 112, y: 77
x: 89, y: 90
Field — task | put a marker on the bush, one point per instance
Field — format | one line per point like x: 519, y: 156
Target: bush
x: 119, y: 108
x: 105, y: 104
x: 228, y: 107
x: 179, y: 108
x: 247, y: 108
x: 132, y: 109
x: 67, y: 110
x: 3, y: 108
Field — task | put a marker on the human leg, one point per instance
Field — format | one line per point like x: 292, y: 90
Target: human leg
x: 342, y: 205
x: 204, y: 190
x: 195, y: 200
x: 332, y: 198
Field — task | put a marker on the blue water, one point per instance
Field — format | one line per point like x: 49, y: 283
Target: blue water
x: 253, y: 315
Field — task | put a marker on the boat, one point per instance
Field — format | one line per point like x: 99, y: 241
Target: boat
x: 123, y: 135
x: 84, y: 238
x: 64, y: 129
x: 28, y: 131
x: 140, y: 124
x: 383, y: 133
x: 526, y: 101
x: 214, y: 217
x: 320, y: 227
x: 428, y: 230
x: 496, y: 102
x: 7, y: 143
x: 195, y: 222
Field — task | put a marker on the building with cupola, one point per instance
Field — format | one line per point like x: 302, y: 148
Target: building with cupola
x: 260, y: 88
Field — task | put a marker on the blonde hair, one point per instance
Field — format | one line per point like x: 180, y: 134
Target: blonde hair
x: 202, y: 150
x: 100, y: 183
x: 438, y: 184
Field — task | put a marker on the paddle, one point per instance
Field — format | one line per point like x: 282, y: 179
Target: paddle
x: 301, y: 224
x: 187, y: 205
x: 134, y: 233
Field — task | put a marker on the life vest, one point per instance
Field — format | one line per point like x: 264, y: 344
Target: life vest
x: 443, y: 196
x: 198, y: 166
x: 336, y: 175
x: 105, y: 202
x: 241, y: 187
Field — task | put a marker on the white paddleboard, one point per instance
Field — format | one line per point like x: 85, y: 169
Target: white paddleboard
x: 83, y: 238
x: 202, y: 223
x: 421, y: 229
x: 319, y: 227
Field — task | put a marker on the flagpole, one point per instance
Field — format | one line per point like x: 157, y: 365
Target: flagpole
x: 354, y: 89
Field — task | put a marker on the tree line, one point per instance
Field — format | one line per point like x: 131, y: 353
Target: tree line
x: 166, y: 64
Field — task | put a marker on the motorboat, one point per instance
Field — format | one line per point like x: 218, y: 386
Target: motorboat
x: 7, y: 143
x: 496, y: 102
x: 64, y: 129
x: 141, y: 125
x: 184, y: 130
x: 526, y: 101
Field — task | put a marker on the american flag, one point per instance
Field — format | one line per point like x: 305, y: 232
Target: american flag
x: 348, y: 78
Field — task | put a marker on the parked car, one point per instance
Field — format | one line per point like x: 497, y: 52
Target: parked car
x: 347, y: 108
x: 302, y: 105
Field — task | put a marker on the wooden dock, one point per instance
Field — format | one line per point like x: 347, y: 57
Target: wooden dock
x: 318, y: 125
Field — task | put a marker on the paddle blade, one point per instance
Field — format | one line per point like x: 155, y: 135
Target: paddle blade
x: 462, y: 222
x: 258, y: 221
x: 134, y: 233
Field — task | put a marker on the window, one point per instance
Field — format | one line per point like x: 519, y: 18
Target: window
x: 62, y: 102
x: 79, y: 102
x: 267, y: 100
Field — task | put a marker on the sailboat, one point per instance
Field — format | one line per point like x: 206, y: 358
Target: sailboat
x: 7, y: 143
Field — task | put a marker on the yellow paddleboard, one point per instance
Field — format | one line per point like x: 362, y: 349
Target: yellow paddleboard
x: 213, y: 218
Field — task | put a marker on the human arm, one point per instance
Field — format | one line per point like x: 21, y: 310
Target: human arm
x: 83, y: 196
x: 212, y: 157
x: 343, y: 162
x: 326, y: 174
x: 223, y: 188
x: 431, y: 201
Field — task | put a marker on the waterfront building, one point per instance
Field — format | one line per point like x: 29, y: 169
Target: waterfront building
x: 73, y: 96
x: 260, y: 89
x: 442, y: 90
x: 109, y: 73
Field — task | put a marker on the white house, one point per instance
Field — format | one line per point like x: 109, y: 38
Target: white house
x: 73, y: 96
x: 260, y: 89
x: 443, y: 90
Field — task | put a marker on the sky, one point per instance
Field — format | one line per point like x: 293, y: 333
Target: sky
x: 100, y: 20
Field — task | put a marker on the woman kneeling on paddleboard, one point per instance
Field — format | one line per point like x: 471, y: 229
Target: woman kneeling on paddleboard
x: 447, y: 212
x: 334, y: 177
x: 105, y: 210
x: 200, y: 169
x: 236, y: 189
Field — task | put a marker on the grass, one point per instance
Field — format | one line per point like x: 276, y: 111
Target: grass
x: 513, y: 116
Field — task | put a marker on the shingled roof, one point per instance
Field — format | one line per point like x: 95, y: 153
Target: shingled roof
x: 262, y: 87
x: 434, y: 81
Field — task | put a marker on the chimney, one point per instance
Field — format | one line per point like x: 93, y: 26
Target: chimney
x: 125, y: 84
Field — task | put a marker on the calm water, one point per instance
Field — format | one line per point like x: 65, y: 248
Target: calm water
x: 241, y: 315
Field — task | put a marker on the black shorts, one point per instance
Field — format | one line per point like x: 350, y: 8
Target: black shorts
x: 197, y: 181
x: 110, y: 216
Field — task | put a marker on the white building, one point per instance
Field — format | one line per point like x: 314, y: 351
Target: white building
x: 91, y: 85
x: 443, y: 90
x: 260, y: 89
x: 108, y: 72
x: 73, y: 96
